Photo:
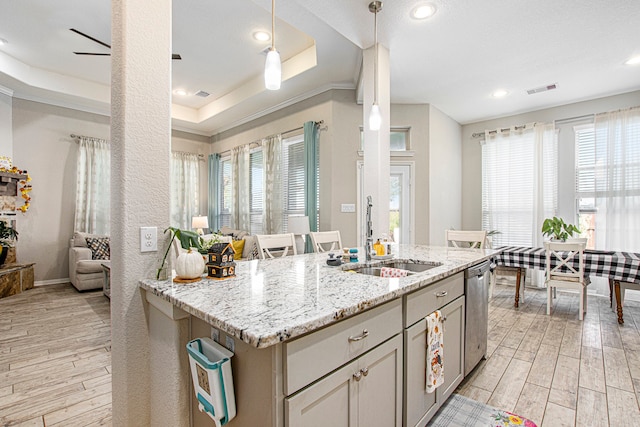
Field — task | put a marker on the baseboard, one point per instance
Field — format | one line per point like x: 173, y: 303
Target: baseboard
x: 51, y: 282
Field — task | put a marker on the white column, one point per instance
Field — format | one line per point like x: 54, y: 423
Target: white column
x: 140, y: 154
x: 377, y: 166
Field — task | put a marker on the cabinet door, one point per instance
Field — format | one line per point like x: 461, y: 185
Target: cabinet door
x: 453, y: 338
x: 349, y: 398
x: 325, y: 403
x: 419, y: 405
x: 380, y: 390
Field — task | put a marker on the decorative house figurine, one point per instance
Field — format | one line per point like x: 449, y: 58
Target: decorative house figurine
x: 221, y: 264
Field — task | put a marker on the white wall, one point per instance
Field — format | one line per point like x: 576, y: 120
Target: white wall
x: 472, y: 160
x: 445, y: 187
x: 6, y: 131
x: 42, y: 145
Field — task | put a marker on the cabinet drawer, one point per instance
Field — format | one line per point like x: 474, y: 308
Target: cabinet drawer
x: 310, y: 357
x: 433, y: 297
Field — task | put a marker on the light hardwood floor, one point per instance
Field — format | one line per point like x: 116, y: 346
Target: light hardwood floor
x: 55, y: 358
x: 557, y: 370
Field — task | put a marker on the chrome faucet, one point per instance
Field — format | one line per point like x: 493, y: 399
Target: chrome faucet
x: 368, y: 245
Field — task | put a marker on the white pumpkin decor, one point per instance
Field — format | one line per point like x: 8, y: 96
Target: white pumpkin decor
x: 189, y: 265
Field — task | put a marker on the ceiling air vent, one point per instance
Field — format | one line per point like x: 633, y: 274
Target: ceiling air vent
x: 202, y: 94
x: 542, y: 88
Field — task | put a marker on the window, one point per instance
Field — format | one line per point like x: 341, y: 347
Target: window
x: 293, y: 185
x: 398, y: 139
x: 608, y: 180
x: 224, y: 193
x: 519, y: 183
x: 293, y: 177
x: 256, y: 180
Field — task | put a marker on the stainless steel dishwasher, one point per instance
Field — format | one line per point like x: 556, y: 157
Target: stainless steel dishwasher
x: 476, y: 289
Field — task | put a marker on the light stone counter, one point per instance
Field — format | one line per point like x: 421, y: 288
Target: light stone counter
x: 270, y: 301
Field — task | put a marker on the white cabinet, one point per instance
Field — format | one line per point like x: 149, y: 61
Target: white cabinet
x: 420, y: 406
x: 366, y: 392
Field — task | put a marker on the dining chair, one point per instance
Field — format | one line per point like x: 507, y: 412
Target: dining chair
x: 466, y: 239
x: 320, y: 241
x: 560, y: 271
x: 275, y: 245
x: 520, y: 274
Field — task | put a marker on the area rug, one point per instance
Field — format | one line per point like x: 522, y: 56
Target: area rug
x: 462, y: 411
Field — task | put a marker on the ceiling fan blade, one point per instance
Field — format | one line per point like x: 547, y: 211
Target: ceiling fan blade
x: 92, y: 53
x: 89, y: 37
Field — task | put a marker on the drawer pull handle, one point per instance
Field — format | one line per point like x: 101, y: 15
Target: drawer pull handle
x: 362, y: 336
x: 357, y: 376
x: 441, y: 294
x: 365, y: 371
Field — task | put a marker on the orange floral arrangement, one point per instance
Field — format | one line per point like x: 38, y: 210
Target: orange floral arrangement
x: 25, y: 187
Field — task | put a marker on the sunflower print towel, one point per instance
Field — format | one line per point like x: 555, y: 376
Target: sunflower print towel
x: 435, y: 351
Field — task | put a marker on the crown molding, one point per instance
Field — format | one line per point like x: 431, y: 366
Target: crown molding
x: 6, y: 91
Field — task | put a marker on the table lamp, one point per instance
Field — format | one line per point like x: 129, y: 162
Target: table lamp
x: 200, y: 222
x: 298, y: 226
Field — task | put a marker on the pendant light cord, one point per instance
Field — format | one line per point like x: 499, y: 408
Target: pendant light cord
x: 375, y: 57
x: 273, y: 24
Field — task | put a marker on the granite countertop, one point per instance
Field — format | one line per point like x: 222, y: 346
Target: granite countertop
x: 270, y: 301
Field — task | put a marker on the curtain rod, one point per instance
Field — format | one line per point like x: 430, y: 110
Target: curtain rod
x: 73, y: 135
x: 259, y: 142
x: 479, y: 134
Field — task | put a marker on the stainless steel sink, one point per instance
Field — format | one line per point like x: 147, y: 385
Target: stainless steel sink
x: 412, y: 267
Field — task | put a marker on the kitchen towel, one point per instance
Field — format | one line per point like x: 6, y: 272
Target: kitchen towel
x: 392, y: 272
x: 435, y: 351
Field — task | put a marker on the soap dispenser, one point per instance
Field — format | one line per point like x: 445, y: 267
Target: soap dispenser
x: 378, y: 248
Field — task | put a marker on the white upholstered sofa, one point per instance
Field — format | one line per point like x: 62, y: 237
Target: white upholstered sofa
x: 85, y: 272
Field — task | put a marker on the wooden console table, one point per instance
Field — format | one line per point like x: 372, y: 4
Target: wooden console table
x: 15, y: 278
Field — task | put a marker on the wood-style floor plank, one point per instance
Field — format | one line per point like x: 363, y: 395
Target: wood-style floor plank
x: 55, y: 345
x: 583, y: 373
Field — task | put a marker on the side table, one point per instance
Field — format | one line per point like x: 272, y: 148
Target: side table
x: 106, y: 285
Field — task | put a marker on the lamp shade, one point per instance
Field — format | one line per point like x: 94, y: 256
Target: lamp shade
x: 199, y: 222
x: 375, y: 118
x: 272, y: 70
x: 298, y: 225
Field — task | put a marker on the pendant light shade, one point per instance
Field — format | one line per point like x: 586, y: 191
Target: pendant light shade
x: 375, y: 118
x: 273, y: 65
x: 272, y: 70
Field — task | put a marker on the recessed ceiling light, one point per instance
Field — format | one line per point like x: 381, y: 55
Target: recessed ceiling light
x: 3, y: 41
x: 423, y: 11
x: 262, y: 36
x: 180, y: 92
x: 500, y: 93
x: 634, y: 60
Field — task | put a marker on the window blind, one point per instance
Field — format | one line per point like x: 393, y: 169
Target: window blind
x: 224, y: 192
x: 256, y: 179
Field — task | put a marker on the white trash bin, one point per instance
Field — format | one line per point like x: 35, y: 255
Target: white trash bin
x: 212, y: 379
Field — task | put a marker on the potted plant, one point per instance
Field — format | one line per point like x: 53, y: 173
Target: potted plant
x: 8, y: 236
x: 557, y: 229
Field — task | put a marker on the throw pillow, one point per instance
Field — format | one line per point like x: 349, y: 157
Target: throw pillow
x: 99, y: 247
x: 238, y: 246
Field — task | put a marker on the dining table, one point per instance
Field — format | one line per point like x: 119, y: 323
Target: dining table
x: 618, y: 266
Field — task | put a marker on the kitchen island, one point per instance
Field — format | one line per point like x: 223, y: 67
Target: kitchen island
x: 305, y: 333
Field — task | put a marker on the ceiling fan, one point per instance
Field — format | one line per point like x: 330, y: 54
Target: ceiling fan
x: 173, y: 55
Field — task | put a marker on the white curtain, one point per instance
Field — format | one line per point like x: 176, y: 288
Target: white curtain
x: 241, y: 204
x: 185, y: 173
x: 617, y: 180
x: 92, y: 186
x: 273, y: 201
x: 519, y: 183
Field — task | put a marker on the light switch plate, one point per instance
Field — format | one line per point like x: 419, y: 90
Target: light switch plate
x: 230, y: 344
x: 148, y: 239
x: 215, y: 334
x: 348, y: 207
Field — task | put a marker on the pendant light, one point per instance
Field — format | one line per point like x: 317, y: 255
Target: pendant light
x: 273, y: 66
x: 375, y: 118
